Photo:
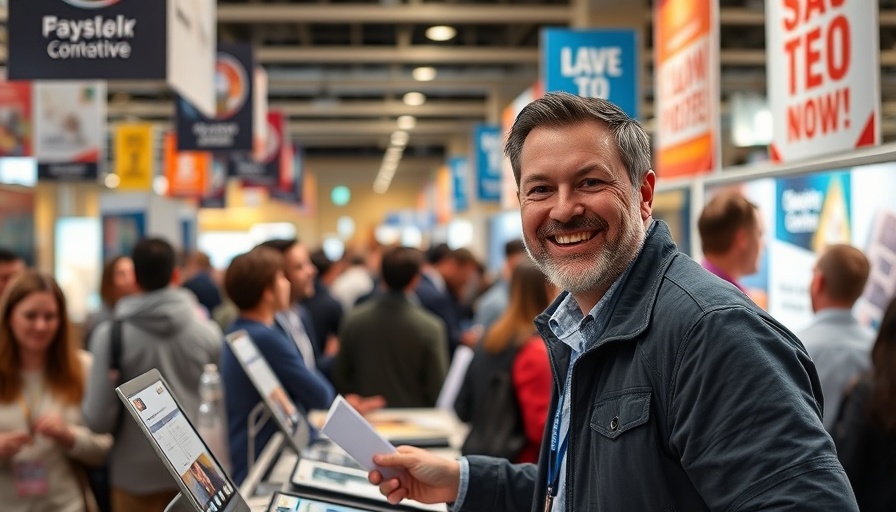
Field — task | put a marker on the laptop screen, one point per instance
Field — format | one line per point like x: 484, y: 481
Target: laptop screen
x: 267, y: 384
x: 209, y: 486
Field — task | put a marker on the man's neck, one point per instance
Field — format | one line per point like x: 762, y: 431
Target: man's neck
x: 260, y: 314
x: 725, y: 264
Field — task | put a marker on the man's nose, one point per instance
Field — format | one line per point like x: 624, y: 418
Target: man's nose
x: 568, y: 206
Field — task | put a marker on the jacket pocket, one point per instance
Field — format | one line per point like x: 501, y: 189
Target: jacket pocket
x: 620, y: 411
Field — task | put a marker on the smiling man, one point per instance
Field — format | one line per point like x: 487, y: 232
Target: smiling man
x: 672, y: 390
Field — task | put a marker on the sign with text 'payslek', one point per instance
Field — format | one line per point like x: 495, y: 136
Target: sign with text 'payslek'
x: 592, y: 63
x: 172, y: 40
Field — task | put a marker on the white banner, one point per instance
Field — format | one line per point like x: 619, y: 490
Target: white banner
x: 192, y: 52
x: 823, y: 76
x: 69, y: 128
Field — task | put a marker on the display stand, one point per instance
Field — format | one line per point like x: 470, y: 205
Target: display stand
x: 178, y: 504
x: 258, y: 416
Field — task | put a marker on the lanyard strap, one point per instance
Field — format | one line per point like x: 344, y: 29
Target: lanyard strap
x: 557, y: 454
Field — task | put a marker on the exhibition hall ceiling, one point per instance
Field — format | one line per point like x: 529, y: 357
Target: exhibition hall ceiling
x: 340, y: 69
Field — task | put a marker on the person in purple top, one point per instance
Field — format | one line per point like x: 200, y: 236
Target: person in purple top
x: 731, y: 234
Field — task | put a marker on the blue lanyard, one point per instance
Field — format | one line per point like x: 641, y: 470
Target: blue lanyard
x: 555, y: 458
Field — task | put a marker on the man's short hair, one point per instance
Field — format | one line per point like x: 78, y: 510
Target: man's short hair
x: 514, y: 247
x: 399, y: 267
x: 250, y: 274
x: 154, y: 261
x: 845, y: 270
x: 558, y: 109
x: 437, y: 253
x: 722, y: 217
x: 7, y: 256
x: 281, y: 245
x: 321, y: 261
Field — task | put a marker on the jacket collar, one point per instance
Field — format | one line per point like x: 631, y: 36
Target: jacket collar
x: 637, y: 295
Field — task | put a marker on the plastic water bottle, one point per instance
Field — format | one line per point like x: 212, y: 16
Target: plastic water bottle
x: 212, y: 420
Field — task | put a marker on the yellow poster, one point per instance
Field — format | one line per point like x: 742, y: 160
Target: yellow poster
x: 133, y: 156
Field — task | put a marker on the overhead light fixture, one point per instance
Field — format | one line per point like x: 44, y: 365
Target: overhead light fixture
x: 441, y: 33
x: 414, y: 99
x: 399, y: 138
x: 424, y: 73
x: 407, y: 122
x: 112, y: 180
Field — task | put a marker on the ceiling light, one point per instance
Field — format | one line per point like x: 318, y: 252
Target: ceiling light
x: 399, y: 138
x: 424, y: 74
x: 414, y: 99
x: 441, y: 33
x: 407, y: 122
x: 112, y: 180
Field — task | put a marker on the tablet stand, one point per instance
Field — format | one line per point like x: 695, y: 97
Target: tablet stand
x: 179, y: 504
x: 258, y: 416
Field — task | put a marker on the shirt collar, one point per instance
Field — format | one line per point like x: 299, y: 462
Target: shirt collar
x: 580, y: 331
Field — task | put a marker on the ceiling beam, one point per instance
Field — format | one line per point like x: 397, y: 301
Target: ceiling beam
x: 392, y: 14
x: 429, y: 54
x: 151, y: 109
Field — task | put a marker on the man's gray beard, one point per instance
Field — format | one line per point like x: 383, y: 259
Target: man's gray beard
x: 608, y: 264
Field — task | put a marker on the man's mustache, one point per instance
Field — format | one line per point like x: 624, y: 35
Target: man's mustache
x: 581, y: 223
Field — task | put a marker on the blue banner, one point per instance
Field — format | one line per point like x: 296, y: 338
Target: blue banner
x: 488, y: 157
x: 592, y: 63
x: 814, y: 210
x: 460, y: 171
x: 231, y: 128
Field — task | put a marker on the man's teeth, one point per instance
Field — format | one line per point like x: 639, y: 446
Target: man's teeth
x: 573, y: 238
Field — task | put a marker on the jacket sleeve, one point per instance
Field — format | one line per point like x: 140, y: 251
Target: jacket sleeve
x: 303, y: 385
x: 532, y: 381
x: 496, y: 484
x: 100, y: 406
x: 851, y: 433
x: 745, y: 418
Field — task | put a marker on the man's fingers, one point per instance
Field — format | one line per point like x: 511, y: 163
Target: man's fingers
x: 387, y: 487
x: 374, y: 477
x: 396, y: 497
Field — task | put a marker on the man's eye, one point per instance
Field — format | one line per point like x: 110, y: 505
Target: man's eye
x: 538, y: 190
x: 591, y: 182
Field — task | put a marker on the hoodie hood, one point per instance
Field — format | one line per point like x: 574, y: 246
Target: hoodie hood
x: 162, y: 312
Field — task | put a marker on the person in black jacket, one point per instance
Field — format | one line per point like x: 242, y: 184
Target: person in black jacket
x: 865, y: 432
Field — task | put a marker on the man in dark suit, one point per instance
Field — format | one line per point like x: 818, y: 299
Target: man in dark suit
x: 443, y: 279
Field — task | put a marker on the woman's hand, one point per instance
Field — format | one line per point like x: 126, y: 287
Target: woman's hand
x: 54, y: 427
x: 12, y: 442
x: 426, y: 478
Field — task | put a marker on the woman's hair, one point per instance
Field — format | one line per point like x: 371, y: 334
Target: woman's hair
x: 528, y: 298
x: 63, y: 372
x: 108, y: 291
x: 883, y: 372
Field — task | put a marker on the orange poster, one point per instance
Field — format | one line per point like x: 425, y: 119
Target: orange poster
x: 686, y: 53
x: 187, y: 171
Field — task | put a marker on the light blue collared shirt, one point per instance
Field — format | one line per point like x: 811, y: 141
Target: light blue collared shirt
x: 579, y: 332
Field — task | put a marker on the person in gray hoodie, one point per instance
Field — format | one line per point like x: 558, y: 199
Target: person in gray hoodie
x: 160, y: 328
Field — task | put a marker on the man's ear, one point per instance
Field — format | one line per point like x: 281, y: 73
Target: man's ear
x: 646, y: 190
x: 817, y: 284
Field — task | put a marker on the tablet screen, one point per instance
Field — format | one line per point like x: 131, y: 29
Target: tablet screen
x: 186, y: 452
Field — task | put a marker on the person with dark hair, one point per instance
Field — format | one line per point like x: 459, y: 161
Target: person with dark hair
x: 324, y: 309
x: 116, y: 281
x: 199, y: 279
x: 42, y: 382
x: 11, y: 265
x: 443, y: 278
x: 671, y: 389
x: 865, y: 432
x: 493, y: 302
x: 294, y: 319
x: 390, y: 345
x: 159, y: 328
x: 256, y: 283
x: 731, y: 236
x: 839, y: 345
